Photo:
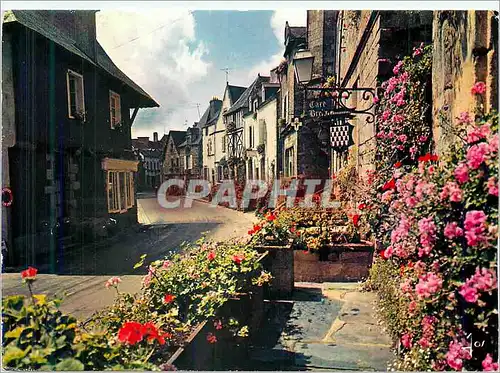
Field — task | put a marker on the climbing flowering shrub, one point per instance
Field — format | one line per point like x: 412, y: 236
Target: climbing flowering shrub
x: 404, y: 127
x: 436, y: 223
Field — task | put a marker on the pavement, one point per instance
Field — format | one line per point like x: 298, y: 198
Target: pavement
x: 328, y: 326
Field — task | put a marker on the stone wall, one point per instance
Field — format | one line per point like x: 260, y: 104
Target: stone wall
x: 370, y: 43
x: 465, y: 52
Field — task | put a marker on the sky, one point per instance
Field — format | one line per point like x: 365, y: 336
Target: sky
x: 177, y: 56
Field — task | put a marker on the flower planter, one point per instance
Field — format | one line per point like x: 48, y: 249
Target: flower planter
x: 229, y: 351
x: 280, y: 262
x: 343, y: 262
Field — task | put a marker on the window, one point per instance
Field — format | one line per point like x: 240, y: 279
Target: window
x: 224, y: 144
x: 115, y: 113
x: 289, y: 162
x: 76, y: 101
x: 250, y: 135
x: 120, y: 190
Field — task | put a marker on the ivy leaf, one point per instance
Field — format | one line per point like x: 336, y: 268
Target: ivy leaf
x: 16, y: 333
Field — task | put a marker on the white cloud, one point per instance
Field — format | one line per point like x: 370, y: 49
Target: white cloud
x: 295, y: 17
x: 157, y: 49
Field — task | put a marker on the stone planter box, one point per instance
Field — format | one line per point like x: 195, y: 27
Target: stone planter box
x: 280, y: 262
x: 344, y: 262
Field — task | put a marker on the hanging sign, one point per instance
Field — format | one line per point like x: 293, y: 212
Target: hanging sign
x: 341, y: 136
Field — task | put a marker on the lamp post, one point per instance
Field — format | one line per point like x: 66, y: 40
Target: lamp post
x: 303, y: 64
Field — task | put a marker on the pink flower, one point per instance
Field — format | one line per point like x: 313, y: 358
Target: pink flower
x: 452, y: 230
x: 464, y: 118
x: 427, y: 229
x: 428, y: 285
x: 402, y: 138
x: 469, y: 293
x: 386, y: 114
x: 478, y: 89
x: 376, y: 100
x: 492, y: 186
x: 411, y: 201
x: 406, y: 287
x: 489, y: 365
x: 406, y: 340
x: 476, y: 134
x: 457, y: 352
x: 400, y: 102
x: 113, y: 281
x: 477, y: 155
x: 424, y: 343
x: 166, y: 264
x: 475, y: 226
x: 452, y: 190
x: 412, y: 306
x: 462, y: 173
x: 422, y: 138
x: 397, y: 68
x: 417, y: 52
x: 398, y: 118
x: 413, y: 151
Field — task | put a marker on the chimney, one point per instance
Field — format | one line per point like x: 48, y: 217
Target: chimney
x: 155, y: 136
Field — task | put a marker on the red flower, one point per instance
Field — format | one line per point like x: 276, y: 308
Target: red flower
x: 362, y: 206
x: 292, y: 230
x: 211, y: 338
x: 211, y: 255
x: 270, y: 217
x: 478, y: 89
x: 131, y: 332
x: 169, y: 298
x: 382, y: 254
x: 29, y: 274
x: 149, y: 330
x: 391, y: 184
x: 428, y: 157
x: 355, y: 220
x: 238, y: 258
x: 397, y: 164
x: 218, y: 325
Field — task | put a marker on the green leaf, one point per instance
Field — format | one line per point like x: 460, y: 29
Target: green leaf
x: 70, y: 364
x: 140, y: 262
x: 12, y: 353
x: 16, y: 333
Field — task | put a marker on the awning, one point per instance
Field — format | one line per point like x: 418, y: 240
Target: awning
x: 119, y: 164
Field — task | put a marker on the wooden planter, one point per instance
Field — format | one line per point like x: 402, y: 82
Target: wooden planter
x: 342, y: 262
x: 280, y: 262
x: 229, y: 351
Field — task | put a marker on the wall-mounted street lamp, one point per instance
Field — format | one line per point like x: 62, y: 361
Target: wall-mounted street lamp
x: 303, y: 65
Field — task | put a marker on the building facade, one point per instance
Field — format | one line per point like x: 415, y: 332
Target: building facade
x: 191, y: 153
x: 67, y: 109
x: 172, y: 155
x: 150, y: 156
x: 369, y: 44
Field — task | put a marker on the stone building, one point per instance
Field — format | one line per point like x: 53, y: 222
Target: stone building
x: 369, y: 44
x: 150, y: 155
x: 304, y: 143
x: 191, y: 153
x: 465, y: 51
x: 171, y: 151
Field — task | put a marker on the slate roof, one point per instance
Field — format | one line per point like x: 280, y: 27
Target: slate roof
x: 235, y: 92
x: 242, y: 102
x: 38, y: 21
x: 177, y: 136
x: 211, y: 114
